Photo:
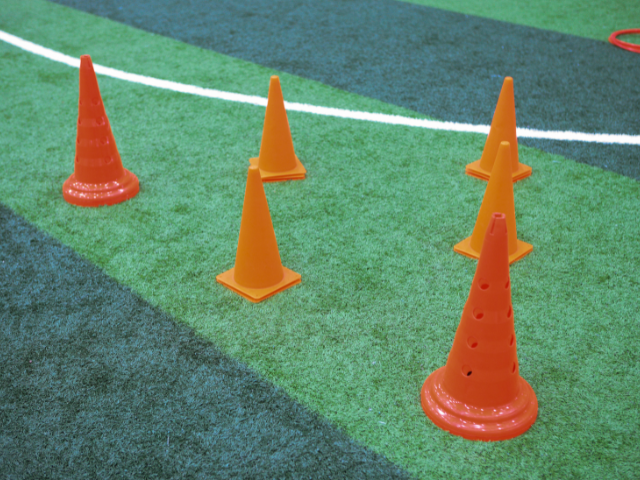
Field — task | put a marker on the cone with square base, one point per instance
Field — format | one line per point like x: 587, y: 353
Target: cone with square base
x: 258, y: 273
x: 498, y: 197
x: 99, y: 177
x: 503, y: 129
x: 479, y: 394
x: 277, y: 160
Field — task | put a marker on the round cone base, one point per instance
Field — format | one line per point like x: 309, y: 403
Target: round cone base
x: 464, y: 248
x: 477, y: 423
x: 99, y: 194
x: 475, y: 170
x: 297, y: 173
x: 255, y: 295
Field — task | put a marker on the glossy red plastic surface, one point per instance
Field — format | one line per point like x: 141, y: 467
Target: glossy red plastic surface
x: 632, y: 47
x: 479, y: 394
x: 99, y: 177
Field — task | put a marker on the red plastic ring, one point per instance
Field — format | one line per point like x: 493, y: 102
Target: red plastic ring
x: 613, y: 38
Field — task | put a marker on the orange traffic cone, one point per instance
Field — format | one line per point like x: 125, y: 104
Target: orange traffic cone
x: 498, y: 197
x: 479, y: 394
x: 98, y: 178
x: 503, y: 129
x: 277, y: 160
x: 258, y: 273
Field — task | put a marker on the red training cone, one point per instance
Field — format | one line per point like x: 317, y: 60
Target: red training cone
x: 99, y: 177
x: 479, y: 394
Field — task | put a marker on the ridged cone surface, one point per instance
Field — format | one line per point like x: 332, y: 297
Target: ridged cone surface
x: 482, y: 368
x: 276, y: 150
x: 97, y: 159
x: 258, y: 263
x: 498, y: 197
x: 503, y: 129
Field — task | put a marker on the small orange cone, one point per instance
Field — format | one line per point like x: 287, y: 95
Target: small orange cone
x: 258, y: 273
x: 479, y: 394
x: 498, y: 197
x: 99, y: 177
x: 277, y: 159
x: 503, y: 129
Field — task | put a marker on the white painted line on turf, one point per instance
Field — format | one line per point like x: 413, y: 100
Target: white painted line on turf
x: 325, y: 111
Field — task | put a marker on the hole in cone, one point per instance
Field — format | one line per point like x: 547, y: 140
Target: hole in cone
x: 507, y: 284
x: 466, y: 370
x: 484, y: 285
x: 509, y: 312
x: 472, y: 342
x: 478, y: 314
x: 513, y: 370
x: 513, y: 339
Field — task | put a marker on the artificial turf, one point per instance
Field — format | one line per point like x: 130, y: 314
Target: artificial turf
x: 96, y: 383
x: 589, y: 19
x: 371, y: 230
x: 440, y: 63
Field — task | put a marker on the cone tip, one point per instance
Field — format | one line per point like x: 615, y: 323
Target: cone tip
x: 275, y: 78
x: 498, y: 224
x: 253, y: 174
x: 508, y: 79
x: 504, y: 156
x: 85, y: 61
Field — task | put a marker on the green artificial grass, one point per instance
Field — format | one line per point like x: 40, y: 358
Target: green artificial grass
x: 371, y: 230
x: 590, y: 19
x: 117, y: 46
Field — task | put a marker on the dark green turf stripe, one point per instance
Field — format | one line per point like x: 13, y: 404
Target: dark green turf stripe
x: 96, y: 383
x: 444, y: 64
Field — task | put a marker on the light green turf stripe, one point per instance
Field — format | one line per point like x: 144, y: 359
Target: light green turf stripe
x: 589, y: 18
x: 371, y: 231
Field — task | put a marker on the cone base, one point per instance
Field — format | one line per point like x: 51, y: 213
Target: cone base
x: 489, y: 424
x: 464, y: 248
x: 99, y: 194
x: 475, y: 170
x: 297, y: 173
x: 255, y: 295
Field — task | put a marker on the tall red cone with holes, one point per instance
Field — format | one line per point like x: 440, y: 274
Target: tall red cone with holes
x: 99, y: 177
x: 479, y: 394
x: 503, y: 129
x: 277, y: 160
